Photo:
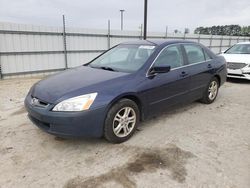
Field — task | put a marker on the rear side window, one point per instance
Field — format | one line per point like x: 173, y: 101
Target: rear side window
x: 194, y: 53
x: 171, y: 56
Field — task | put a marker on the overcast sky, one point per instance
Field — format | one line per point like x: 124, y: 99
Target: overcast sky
x: 177, y: 14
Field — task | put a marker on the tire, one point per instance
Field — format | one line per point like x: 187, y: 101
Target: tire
x: 121, y: 121
x: 211, y: 91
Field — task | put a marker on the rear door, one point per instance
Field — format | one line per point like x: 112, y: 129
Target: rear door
x: 200, y: 68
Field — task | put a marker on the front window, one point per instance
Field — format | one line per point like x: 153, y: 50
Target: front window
x: 124, y: 58
x: 194, y: 53
x: 239, y: 49
x: 170, y: 56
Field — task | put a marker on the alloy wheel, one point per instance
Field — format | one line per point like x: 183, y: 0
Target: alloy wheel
x: 212, y: 90
x: 124, y: 122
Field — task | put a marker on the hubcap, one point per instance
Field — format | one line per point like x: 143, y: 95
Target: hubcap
x: 124, y: 122
x: 212, y: 90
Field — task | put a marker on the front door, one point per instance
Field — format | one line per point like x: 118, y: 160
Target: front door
x: 167, y: 89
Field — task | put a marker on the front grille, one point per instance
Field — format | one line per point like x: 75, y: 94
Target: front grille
x: 37, y: 102
x: 231, y: 65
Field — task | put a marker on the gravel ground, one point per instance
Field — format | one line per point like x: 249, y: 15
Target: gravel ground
x: 193, y: 146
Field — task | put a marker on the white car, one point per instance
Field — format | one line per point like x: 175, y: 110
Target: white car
x: 238, y: 60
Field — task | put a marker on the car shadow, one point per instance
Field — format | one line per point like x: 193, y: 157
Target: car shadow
x: 81, y: 140
x: 238, y: 81
x: 174, y: 111
x: 144, y: 124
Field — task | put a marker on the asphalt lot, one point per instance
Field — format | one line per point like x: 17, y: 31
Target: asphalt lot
x: 194, y: 146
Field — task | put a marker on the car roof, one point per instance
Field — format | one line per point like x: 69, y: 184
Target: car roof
x: 157, y: 42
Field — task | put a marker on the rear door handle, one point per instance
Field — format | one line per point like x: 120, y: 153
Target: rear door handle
x: 184, y: 74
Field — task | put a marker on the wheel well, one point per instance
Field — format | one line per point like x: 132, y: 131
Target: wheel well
x: 136, y: 100
x: 218, y: 77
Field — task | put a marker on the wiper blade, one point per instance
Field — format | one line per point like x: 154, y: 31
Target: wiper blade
x: 107, y: 68
x: 104, y: 68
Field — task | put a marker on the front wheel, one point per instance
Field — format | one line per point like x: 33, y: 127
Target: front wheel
x: 211, y: 91
x: 121, y: 121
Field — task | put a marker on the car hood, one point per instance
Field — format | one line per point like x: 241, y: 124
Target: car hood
x: 237, y: 58
x: 56, y: 86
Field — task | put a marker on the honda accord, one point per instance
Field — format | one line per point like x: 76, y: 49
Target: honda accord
x: 129, y: 83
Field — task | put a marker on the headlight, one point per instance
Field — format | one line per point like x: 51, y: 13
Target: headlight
x: 78, y: 103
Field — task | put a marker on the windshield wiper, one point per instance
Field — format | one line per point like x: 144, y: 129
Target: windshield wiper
x: 107, y: 68
x: 104, y: 68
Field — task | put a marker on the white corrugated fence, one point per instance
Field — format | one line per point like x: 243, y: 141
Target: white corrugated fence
x: 31, y: 50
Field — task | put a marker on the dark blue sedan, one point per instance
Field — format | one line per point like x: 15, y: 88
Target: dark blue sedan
x: 128, y: 83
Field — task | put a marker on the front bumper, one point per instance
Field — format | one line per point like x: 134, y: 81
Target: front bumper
x: 239, y: 73
x: 67, y: 124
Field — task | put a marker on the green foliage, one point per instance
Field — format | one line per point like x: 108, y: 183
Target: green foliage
x: 229, y: 30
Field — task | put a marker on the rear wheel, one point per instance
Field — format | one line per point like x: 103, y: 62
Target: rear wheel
x: 211, y: 91
x: 121, y: 121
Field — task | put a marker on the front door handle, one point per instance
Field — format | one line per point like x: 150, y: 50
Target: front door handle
x: 184, y: 74
x: 209, y: 66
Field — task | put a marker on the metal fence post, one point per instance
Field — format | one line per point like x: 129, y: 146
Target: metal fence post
x: 166, y: 34
x: 108, y: 34
x: 210, y: 42
x: 1, y: 76
x: 221, y: 40
x: 199, y: 38
x: 141, y: 31
x: 65, y: 44
x: 230, y: 41
x: 238, y: 39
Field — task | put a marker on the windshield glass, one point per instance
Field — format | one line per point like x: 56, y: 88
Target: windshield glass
x: 239, y: 49
x: 124, y: 58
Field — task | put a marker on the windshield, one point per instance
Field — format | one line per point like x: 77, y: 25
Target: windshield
x: 239, y: 49
x: 124, y: 58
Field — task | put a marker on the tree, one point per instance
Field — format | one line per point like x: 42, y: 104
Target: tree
x: 176, y: 31
x: 230, y: 30
x: 245, y: 31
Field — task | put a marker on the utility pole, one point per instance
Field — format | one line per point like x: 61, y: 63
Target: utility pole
x: 145, y: 19
x: 122, y: 11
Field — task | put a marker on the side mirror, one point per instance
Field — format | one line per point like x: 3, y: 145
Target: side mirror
x: 159, y: 69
